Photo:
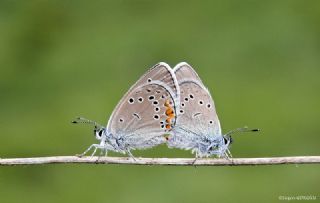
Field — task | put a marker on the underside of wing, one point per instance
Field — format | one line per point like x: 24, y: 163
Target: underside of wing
x: 147, y: 111
x: 197, y: 110
x: 184, y: 71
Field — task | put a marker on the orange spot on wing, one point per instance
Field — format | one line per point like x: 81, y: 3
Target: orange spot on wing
x: 169, y: 113
x: 167, y: 103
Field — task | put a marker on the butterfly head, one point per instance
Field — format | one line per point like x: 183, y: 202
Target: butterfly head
x: 227, y: 139
x: 218, y: 145
x: 99, y: 131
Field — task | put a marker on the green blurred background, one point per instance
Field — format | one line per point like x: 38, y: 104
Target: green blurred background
x: 63, y: 59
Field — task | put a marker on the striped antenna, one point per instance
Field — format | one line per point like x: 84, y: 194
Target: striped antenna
x: 87, y: 121
x: 244, y: 129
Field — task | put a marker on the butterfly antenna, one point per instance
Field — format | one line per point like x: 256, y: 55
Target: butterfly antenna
x: 86, y: 121
x: 244, y: 129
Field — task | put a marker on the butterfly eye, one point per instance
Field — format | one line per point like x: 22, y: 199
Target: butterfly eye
x: 98, y: 133
x: 228, y: 140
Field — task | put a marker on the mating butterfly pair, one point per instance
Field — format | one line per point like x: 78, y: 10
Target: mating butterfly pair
x: 164, y: 106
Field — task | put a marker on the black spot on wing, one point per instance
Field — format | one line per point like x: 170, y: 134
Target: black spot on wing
x: 197, y: 114
x: 136, y: 115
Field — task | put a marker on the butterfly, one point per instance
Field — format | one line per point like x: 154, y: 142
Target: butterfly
x: 198, y: 127
x: 144, y: 114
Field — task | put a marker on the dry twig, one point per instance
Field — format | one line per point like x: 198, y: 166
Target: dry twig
x: 161, y: 161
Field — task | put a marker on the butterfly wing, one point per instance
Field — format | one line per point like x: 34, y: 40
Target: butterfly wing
x: 197, y: 116
x: 146, y: 111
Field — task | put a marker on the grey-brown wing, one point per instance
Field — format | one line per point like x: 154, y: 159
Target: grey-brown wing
x: 146, y: 112
x: 184, y: 71
x: 197, y: 110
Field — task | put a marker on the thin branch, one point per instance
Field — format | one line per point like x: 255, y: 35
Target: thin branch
x: 161, y: 161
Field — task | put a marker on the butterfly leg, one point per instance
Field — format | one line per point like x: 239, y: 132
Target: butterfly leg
x: 195, y: 159
x: 92, y: 146
x: 104, y: 152
x: 94, y: 151
x: 103, y: 149
x: 130, y: 154
x: 228, y: 153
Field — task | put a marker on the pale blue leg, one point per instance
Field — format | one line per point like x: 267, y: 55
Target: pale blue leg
x: 228, y: 153
x: 99, y: 146
x: 85, y: 152
x: 95, y: 150
x: 196, y: 158
x: 130, y: 154
x: 104, y: 152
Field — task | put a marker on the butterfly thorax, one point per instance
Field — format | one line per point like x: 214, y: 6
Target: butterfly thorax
x: 107, y: 140
x: 117, y: 143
